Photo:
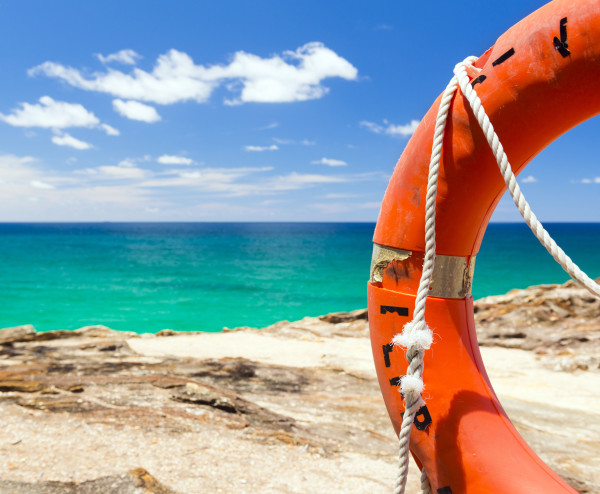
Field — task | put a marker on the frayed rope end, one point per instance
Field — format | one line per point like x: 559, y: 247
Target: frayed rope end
x: 414, y: 337
x: 411, y: 387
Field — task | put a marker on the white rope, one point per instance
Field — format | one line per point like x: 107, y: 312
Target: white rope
x: 416, y: 336
x: 515, y: 191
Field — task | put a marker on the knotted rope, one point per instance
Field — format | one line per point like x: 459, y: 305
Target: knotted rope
x: 416, y: 336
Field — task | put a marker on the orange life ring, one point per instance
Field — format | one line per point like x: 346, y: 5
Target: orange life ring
x: 541, y: 78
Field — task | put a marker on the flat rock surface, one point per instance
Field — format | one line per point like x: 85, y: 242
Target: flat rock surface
x: 292, y: 408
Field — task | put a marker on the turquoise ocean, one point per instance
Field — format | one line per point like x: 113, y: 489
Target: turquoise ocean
x: 145, y: 277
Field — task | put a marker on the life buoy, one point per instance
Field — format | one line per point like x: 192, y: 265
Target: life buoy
x: 541, y: 78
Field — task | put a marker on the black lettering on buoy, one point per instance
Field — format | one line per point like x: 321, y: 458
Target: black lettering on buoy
x: 504, y: 57
x: 387, y: 349
x: 561, y: 44
x: 425, y: 422
x: 401, y: 311
x: 478, y: 80
x: 395, y: 381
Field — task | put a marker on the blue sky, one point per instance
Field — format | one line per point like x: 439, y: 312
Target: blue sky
x: 241, y: 111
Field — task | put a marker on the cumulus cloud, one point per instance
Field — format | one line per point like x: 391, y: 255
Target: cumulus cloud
x: 119, y: 171
x: 127, y: 163
x: 168, y: 159
x: 57, y: 115
x: 292, y: 76
x: 51, y: 114
x: 70, y: 141
x: 388, y: 128
x: 111, y: 131
x: 329, y: 162
x: 38, y: 184
x: 126, y: 169
x: 135, y: 110
x: 127, y: 57
x: 529, y: 179
x: 272, y: 147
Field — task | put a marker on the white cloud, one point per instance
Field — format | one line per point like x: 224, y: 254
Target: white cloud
x: 135, y: 110
x: 168, y: 159
x: 340, y: 196
x: 127, y: 57
x: 300, y: 180
x: 329, y: 162
x: 125, y: 169
x: 127, y: 163
x: 38, y: 184
x: 126, y: 172
x: 372, y: 126
x: 17, y: 170
x: 530, y: 179
x: 387, y: 128
x: 210, y: 180
x: 60, y: 195
x: 111, y: 131
x: 270, y: 126
x: 293, y: 76
x: 274, y: 80
x: 51, y: 114
x: 595, y: 180
x: 303, y: 142
x: 403, y: 130
x: 272, y: 147
x: 225, y: 181
x: 127, y: 192
x: 70, y: 141
x: 19, y: 174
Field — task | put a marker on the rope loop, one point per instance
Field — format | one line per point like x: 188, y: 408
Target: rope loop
x: 510, y: 180
x: 416, y: 336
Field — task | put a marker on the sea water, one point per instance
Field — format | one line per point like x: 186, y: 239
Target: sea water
x: 145, y: 277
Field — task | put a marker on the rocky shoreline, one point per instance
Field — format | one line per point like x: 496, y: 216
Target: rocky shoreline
x: 292, y: 408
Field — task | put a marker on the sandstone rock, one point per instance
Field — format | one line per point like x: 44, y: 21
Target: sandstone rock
x: 166, y: 332
x: 100, y: 331
x: 560, y: 322
x: 228, y: 402
x: 80, y: 407
x: 17, y: 333
x: 21, y: 386
x: 136, y: 481
x: 338, y: 317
